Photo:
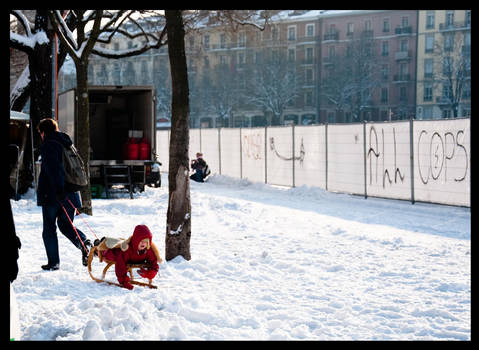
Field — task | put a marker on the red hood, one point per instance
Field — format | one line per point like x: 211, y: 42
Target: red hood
x: 141, y: 232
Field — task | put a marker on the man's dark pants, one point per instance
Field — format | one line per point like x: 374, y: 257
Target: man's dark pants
x: 52, y: 214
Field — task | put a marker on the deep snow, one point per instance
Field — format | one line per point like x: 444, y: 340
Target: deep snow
x: 267, y: 263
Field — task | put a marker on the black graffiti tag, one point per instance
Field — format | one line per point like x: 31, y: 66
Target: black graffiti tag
x: 375, y: 152
x: 438, y: 155
x: 301, y: 151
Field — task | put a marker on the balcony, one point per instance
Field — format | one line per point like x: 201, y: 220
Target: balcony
x: 400, y: 78
x: 428, y: 75
x: 402, y: 55
x: 332, y: 35
x: 307, y: 61
x: 442, y: 100
x: 403, y: 30
x: 454, y: 26
x: 312, y: 39
x: 329, y: 60
x: 368, y: 33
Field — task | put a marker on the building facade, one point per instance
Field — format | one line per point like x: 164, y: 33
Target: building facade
x: 444, y: 64
x: 380, y: 46
x: 311, y: 66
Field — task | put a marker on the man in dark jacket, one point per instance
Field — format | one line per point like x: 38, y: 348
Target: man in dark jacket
x: 199, y: 166
x: 54, y: 195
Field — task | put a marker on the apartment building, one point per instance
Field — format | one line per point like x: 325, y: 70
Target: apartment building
x: 444, y: 64
x: 380, y: 49
x: 290, y: 43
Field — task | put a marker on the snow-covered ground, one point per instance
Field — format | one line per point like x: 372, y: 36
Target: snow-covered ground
x: 267, y: 263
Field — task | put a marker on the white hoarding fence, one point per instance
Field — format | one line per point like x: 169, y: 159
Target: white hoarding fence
x: 427, y: 160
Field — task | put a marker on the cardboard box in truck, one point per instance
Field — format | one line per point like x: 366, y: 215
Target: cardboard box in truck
x: 122, y: 119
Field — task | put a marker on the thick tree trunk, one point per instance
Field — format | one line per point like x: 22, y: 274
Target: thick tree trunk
x: 39, y: 91
x: 40, y: 67
x: 83, y: 131
x: 178, y: 223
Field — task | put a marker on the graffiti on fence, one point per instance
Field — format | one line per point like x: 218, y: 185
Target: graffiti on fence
x: 438, y: 150
x: 374, y: 154
x: 301, y: 152
x: 252, y: 146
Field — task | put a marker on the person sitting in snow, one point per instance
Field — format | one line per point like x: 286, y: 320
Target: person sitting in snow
x: 200, y: 167
x: 138, y: 249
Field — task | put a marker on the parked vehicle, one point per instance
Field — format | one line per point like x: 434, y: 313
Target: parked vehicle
x: 19, y: 132
x: 122, y: 136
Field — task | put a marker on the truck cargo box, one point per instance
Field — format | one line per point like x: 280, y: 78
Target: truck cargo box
x: 117, y: 114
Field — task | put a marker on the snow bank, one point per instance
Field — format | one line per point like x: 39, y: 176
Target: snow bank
x: 267, y: 263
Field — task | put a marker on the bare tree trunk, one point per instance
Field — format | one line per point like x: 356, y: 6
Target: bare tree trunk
x: 178, y: 223
x: 39, y: 91
x: 40, y: 68
x: 83, y: 143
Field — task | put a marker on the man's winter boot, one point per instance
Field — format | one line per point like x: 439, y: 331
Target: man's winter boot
x: 49, y: 267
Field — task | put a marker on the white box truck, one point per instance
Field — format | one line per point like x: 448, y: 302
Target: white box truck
x: 119, y: 117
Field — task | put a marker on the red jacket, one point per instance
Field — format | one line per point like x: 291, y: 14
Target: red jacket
x: 132, y: 255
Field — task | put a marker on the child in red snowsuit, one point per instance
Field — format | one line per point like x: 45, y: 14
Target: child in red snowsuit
x: 138, y: 250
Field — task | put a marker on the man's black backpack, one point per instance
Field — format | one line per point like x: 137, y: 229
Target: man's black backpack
x: 75, y: 173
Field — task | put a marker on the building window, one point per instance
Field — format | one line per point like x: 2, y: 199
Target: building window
x: 367, y: 25
x: 242, y: 39
x: 449, y: 18
x: 448, y: 42
x: 404, y: 45
x: 467, y: 40
x: 386, y: 25
x: 309, y: 55
x: 331, y: 51
x: 241, y: 60
x: 350, y: 29
x: 446, y: 91
x: 428, y: 67
x: 427, y: 92
x: 402, y: 94
x: 405, y: 21
x: 429, y: 43
x: 446, y: 113
x: 385, y: 72
x: 430, y: 20
x: 349, y: 51
x: 291, y: 33
x: 309, y: 76
x: 206, y: 41
x: 275, y: 34
x: 308, y: 98
x: 385, y: 48
x: 447, y: 66
x: 223, y: 60
x: 403, y: 70
x: 468, y: 20
x: 427, y: 112
x: 291, y: 55
x: 384, y: 95
x: 223, y: 41
x: 309, y: 30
